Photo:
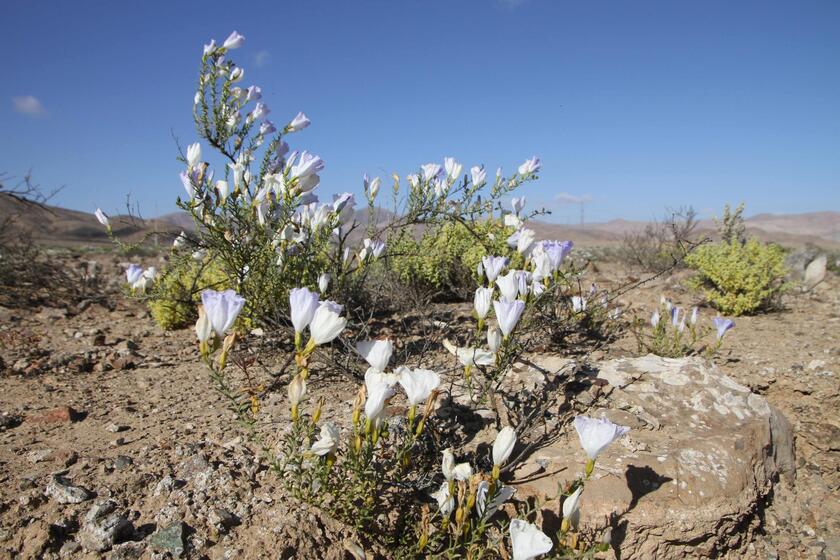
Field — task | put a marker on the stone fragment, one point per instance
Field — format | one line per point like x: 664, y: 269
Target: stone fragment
x: 62, y: 414
x: 169, y: 539
x: 63, y: 491
x: 815, y: 272
x: 103, y: 527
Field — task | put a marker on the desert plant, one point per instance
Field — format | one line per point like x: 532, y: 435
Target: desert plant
x: 739, y: 278
x: 178, y: 289
x: 662, y: 243
x: 731, y: 226
x: 673, y: 332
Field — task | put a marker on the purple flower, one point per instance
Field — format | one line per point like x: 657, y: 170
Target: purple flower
x: 133, y: 274
x: 267, y: 127
x: 722, y: 324
x: 675, y: 315
x: 557, y: 251
x: 222, y: 308
x: 307, y: 164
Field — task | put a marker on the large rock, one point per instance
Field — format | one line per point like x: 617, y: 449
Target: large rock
x: 688, y: 480
x: 815, y: 272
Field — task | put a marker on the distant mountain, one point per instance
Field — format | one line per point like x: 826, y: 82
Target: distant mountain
x: 70, y: 227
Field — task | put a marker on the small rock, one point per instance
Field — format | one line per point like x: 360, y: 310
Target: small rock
x: 8, y: 421
x: 65, y: 492
x: 169, y: 539
x: 102, y: 527
x: 222, y: 519
x: 815, y: 272
x: 126, y: 346
x: 38, y: 455
x: 114, y: 428
x: 128, y: 551
x: 62, y: 414
x: 122, y: 462
x: 118, y: 442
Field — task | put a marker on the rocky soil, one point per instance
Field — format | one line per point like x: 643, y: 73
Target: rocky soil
x: 114, y: 444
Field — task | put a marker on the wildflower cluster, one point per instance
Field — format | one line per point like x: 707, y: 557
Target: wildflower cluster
x: 674, y: 332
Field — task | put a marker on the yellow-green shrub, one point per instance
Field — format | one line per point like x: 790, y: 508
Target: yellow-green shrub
x: 739, y: 278
x: 173, y: 303
x: 447, y: 255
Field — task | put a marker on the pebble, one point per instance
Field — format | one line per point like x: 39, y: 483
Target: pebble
x: 65, y: 492
x: 169, y: 539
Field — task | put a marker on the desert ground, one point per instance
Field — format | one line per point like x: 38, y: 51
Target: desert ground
x: 102, y: 409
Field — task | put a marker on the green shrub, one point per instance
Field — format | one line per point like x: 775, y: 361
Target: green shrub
x: 446, y: 257
x: 173, y: 303
x: 739, y: 278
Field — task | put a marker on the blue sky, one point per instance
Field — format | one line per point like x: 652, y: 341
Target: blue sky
x: 635, y: 105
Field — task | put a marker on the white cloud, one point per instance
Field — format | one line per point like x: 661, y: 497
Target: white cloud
x: 261, y: 58
x: 566, y: 198
x: 28, y: 105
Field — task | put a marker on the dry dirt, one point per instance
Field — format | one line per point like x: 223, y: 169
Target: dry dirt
x: 148, y: 431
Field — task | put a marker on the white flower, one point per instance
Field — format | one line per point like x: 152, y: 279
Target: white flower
x: 508, y: 314
x: 297, y: 390
x: 597, y: 433
x: 430, y: 171
x: 530, y: 166
x: 578, y: 304
x: 527, y: 541
x: 237, y: 74
x: 303, y: 305
x: 300, y: 122
x: 323, y: 282
x: 306, y: 164
x: 327, y: 443
x: 180, y: 241
x: 494, y: 339
x: 203, y: 328
x: 471, y: 356
x: 445, y: 501
x: 194, y: 154
x: 654, y: 319
x: 102, y: 217
x: 570, y: 506
x: 376, y: 352
x: 210, y: 47
x: 517, y: 204
x: 447, y: 465
x: 326, y: 323
x: 222, y: 308
x: 694, y: 314
x: 483, y: 298
x: 453, y: 169
x: 418, y: 383
x: 493, y: 266
x: 525, y: 240
x: 503, y: 446
x: 509, y: 285
x: 378, y: 394
x: 462, y: 471
x: 479, y: 175
x: 234, y: 41
x: 514, y: 221
x: 373, y: 375
x: 486, y: 510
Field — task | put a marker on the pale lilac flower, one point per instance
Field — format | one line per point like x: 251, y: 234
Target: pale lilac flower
x: 223, y: 189
x: 343, y: 205
x: 654, y: 319
x: 371, y: 247
x: 326, y: 323
x: 479, y: 175
x: 509, y: 285
x: 236, y: 75
x: 722, y: 325
x: 328, y: 440
x: 530, y: 166
x: 537, y: 287
x: 133, y: 274
x: 503, y: 445
x: 303, y: 305
x: 418, y: 383
x: 260, y: 110
x: 194, y: 154
x: 267, y: 127
x: 222, y: 308
x: 253, y: 93
x: 675, y: 315
x: 306, y: 164
x: 493, y: 266
x: 515, y: 222
x: 666, y: 303
x: 102, y: 217
x: 523, y: 278
x: 486, y: 510
x: 694, y: 315
x: 471, y: 356
x: 542, y: 264
x: 525, y: 240
x: 482, y: 300
x: 571, y: 506
x: 508, y: 314
x: 371, y: 186
x: 453, y: 169
x: 298, y: 123
x: 430, y: 171
x: 323, y: 282
x: 413, y: 180
x: 179, y: 241
x: 376, y: 352
x: 556, y: 251
x: 597, y: 433
x: 234, y: 41
x: 517, y: 204
x: 527, y: 541
x: 210, y: 48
